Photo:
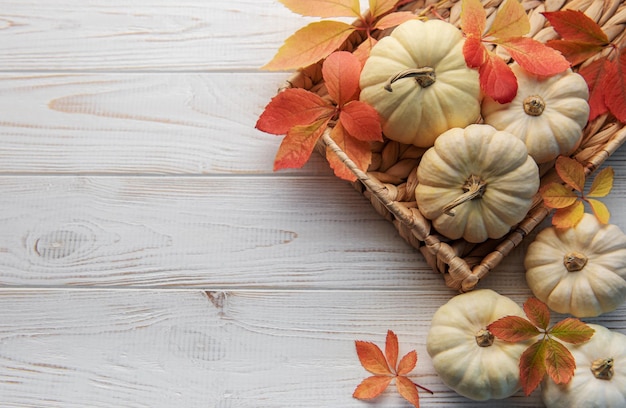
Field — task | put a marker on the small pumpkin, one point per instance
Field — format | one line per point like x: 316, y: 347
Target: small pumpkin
x: 476, y: 183
x: 579, y: 270
x: 467, y: 357
x: 600, y: 377
x: 418, y: 81
x: 548, y: 113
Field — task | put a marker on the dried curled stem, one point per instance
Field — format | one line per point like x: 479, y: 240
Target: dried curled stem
x: 474, y: 187
x: 424, y: 76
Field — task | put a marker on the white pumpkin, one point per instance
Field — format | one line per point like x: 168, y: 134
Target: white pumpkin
x: 548, y: 113
x: 579, y: 270
x: 476, y: 183
x: 600, y: 377
x: 418, y: 81
x: 467, y: 357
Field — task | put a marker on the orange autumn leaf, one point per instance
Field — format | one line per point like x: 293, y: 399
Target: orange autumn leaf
x: 392, y: 349
x: 513, y: 329
x: 556, y: 195
x: 535, y: 57
x: 324, y: 8
x: 568, y: 217
x: 372, y: 387
x: 380, y: 7
x: 408, y: 390
x: 576, y: 26
x: 358, y: 151
x: 537, y: 312
x: 372, y: 358
x: 341, y: 75
x: 407, y: 363
x: 533, y: 366
x: 298, y: 144
x: 290, y: 108
x: 571, y: 171
x: 560, y: 363
x: 394, y: 19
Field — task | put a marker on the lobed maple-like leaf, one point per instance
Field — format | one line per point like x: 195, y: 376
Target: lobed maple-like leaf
x: 513, y: 329
x: 571, y: 330
x: 560, y: 364
x: 602, y: 183
x: 537, y: 312
x: 310, y: 44
x: 533, y: 366
x: 571, y: 171
x: 324, y: 8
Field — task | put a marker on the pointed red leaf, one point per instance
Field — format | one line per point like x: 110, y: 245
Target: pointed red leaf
x: 571, y: 171
x: 372, y: 387
x: 297, y: 146
x: 572, y: 330
x: 358, y: 151
x: 391, y: 349
x: 407, y: 363
x: 292, y: 107
x: 473, y: 18
x: 537, y: 312
x: 575, y: 25
x: 560, y: 363
x: 568, y: 217
x: 310, y: 44
x: 510, y: 21
x: 513, y: 329
x: 474, y: 52
x: 575, y: 52
x: 496, y: 79
x: 324, y: 8
x: 532, y: 366
x: 379, y: 7
x: 372, y: 358
x: 615, y: 88
x: 408, y: 390
x: 595, y: 75
x: 394, y: 19
x: 535, y: 57
x: 341, y: 72
x: 361, y: 121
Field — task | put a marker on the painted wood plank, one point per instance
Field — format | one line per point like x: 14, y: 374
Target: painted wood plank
x: 148, y: 123
x: 141, y: 348
x: 143, y: 35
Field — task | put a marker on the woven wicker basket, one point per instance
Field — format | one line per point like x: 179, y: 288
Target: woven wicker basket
x: 390, y: 181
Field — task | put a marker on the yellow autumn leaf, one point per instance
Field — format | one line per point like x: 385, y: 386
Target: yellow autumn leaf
x: 602, y: 183
x: 380, y: 7
x: 568, y: 217
x: 571, y: 172
x: 556, y: 195
x: 309, y: 45
x: 600, y: 210
x: 511, y: 21
x: 324, y: 8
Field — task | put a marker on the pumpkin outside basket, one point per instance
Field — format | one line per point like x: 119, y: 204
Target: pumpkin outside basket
x: 391, y: 179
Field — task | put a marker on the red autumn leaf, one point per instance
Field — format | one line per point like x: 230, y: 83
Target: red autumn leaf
x: 496, y: 79
x: 372, y: 387
x: 556, y: 195
x: 324, y: 8
x: 602, y: 183
x: 372, y: 358
x: 615, y: 88
x: 394, y: 19
x: 407, y: 363
x: 510, y: 21
x: 391, y: 349
x: 310, y: 44
x: 341, y: 72
x: 533, y: 366
x: 560, y: 363
x: 535, y: 57
x: 596, y: 74
x: 568, y: 217
x: 474, y: 51
x: 572, y: 330
x: 298, y: 144
x: 574, y: 25
x: 513, y: 329
x: 571, y: 171
x: 575, y: 52
x: 356, y: 150
x: 537, y: 312
x: 362, y: 52
x: 292, y: 107
x: 361, y: 121
x: 379, y: 7
x: 408, y: 390
x: 473, y: 18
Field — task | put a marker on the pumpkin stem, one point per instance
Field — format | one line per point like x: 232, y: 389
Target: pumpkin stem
x: 424, y: 76
x: 602, y: 368
x: 484, y: 338
x: 574, y: 261
x: 474, y: 187
x: 534, y: 105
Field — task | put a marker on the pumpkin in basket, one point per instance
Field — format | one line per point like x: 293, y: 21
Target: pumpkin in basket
x: 548, y: 113
x: 418, y: 81
x: 476, y: 183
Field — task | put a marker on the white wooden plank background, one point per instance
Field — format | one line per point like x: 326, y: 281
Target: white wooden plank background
x: 149, y: 256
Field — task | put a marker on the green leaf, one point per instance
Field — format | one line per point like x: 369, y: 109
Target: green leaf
x: 560, y: 363
x: 513, y: 329
x: 571, y: 330
x: 533, y: 366
x: 537, y: 312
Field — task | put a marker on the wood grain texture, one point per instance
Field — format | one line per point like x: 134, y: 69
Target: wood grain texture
x: 219, y: 349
